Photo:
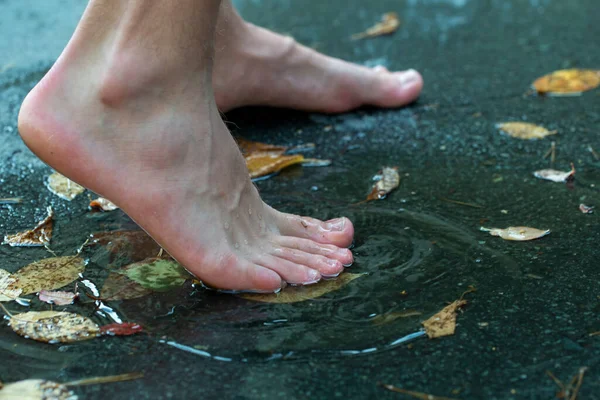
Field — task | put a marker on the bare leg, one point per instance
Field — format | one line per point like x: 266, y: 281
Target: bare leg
x: 258, y: 67
x: 129, y: 112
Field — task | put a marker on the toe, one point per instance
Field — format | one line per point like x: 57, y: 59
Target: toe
x: 339, y: 231
x: 327, y: 267
x: 394, y: 89
x: 291, y: 272
x: 343, y: 255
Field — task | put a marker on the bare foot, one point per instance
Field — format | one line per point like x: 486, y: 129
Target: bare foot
x: 139, y: 125
x: 255, y: 66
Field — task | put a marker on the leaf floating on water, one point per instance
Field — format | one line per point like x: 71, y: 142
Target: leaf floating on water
x: 103, y: 204
x: 36, y: 389
x: 586, y: 209
x: 388, y: 25
x: 38, y: 236
x: 261, y: 164
x: 517, y: 233
x: 7, y: 292
x: 63, y: 187
x: 54, y: 326
x: 567, y: 82
x: 443, y: 323
x: 157, y: 274
x: 122, y: 329
x: 58, y: 298
x: 387, y: 180
x: 120, y: 287
x: 554, y: 175
x: 294, y: 294
x: 49, y: 274
x: 524, y: 130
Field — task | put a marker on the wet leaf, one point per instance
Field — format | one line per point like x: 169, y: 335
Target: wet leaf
x: 128, y: 245
x: 54, y: 326
x: 261, y: 164
x: 524, y: 130
x: 49, y: 274
x: 249, y: 147
x: 63, y: 187
x: 157, y: 274
x: 567, y: 82
x: 120, y: 287
x: 554, y: 175
x: 7, y: 292
x: 444, y: 322
x: 517, y: 233
x: 386, y: 318
x: 583, y: 208
x: 387, y: 180
x: 294, y: 294
x: 388, y: 25
x: 122, y: 329
x: 38, y: 236
x: 36, y: 389
x: 58, y: 298
x: 103, y: 204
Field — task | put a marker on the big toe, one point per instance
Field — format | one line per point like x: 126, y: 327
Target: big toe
x: 392, y: 89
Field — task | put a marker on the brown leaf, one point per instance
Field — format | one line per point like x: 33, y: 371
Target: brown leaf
x: 38, y: 236
x: 131, y: 245
x: 36, y: 389
x: 54, y: 326
x: 49, y: 274
x: 7, y: 292
x: 58, y: 298
x: 103, y: 204
x: 387, y: 180
x: 122, y: 329
x: 261, y: 164
x: 567, y: 82
x: 388, y: 25
x: 444, y: 322
x: 554, y: 175
x: 294, y: 294
x: 524, y: 130
x: 517, y: 233
x: 63, y: 187
x: 120, y: 287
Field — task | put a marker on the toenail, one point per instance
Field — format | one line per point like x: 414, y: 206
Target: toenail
x: 333, y: 263
x: 313, y: 275
x: 409, y: 76
x: 336, y: 224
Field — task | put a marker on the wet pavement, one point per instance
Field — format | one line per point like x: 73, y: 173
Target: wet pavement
x: 536, y: 302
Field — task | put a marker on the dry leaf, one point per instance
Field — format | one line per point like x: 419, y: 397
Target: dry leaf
x: 518, y: 233
x: 54, y: 326
x: 389, y: 23
x: 63, y: 187
x: 103, y: 204
x: 567, y: 82
x: 582, y: 207
x: 38, y: 236
x: 36, y: 389
x: 444, y: 322
x: 387, y: 180
x: 554, y: 175
x: 120, y: 287
x: 7, y: 292
x: 122, y: 329
x: 49, y: 274
x: 58, y: 298
x: 261, y: 164
x: 524, y: 130
x: 294, y: 294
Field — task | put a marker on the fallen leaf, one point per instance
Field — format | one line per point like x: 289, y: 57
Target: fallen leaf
x: 49, y: 274
x: 120, y: 287
x: 103, y: 204
x: 586, y: 209
x: 63, y: 187
x: 518, y: 233
x: 157, y: 274
x: 126, y: 245
x: 416, y: 395
x: 388, y: 25
x: 36, y: 389
x: 58, y: 298
x: 38, y: 236
x: 54, y: 326
x: 386, y: 318
x: 7, y: 292
x: 567, y: 82
x: 122, y: 329
x: 524, y: 130
x: 444, y: 322
x: 249, y: 147
x: 387, y: 180
x: 294, y: 294
x: 554, y: 175
x: 261, y: 164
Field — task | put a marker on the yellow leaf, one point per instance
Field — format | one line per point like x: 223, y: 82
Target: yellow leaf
x: 517, y: 233
x: 388, y: 180
x: 567, y: 82
x: 524, y: 130
x: 444, y: 322
x: 261, y: 164
x: 36, y: 389
x: 389, y: 23
x: 294, y: 294
x: 249, y: 147
x: 6, y: 292
x: 38, y: 236
x: 63, y: 187
x: 49, y: 274
x: 54, y: 326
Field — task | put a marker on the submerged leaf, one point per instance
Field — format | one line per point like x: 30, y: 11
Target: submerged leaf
x: 49, y: 274
x: 103, y: 204
x: 157, y: 274
x: 122, y: 329
x: 38, y: 236
x: 294, y: 294
x: 567, y: 82
x: 126, y: 245
x: 518, y: 233
x: 7, y: 292
x: 36, y: 389
x: 120, y: 287
x: 261, y: 164
x: 54, y: 326
x: 387, y: 180
x: 58, y: 298
x: 63, y: 187
x: 524, y: 130
x: 389, y: 23
x: 554, y: 175
x: 444, y: 322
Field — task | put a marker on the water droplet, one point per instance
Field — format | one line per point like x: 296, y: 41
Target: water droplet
x: 237, y: 245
